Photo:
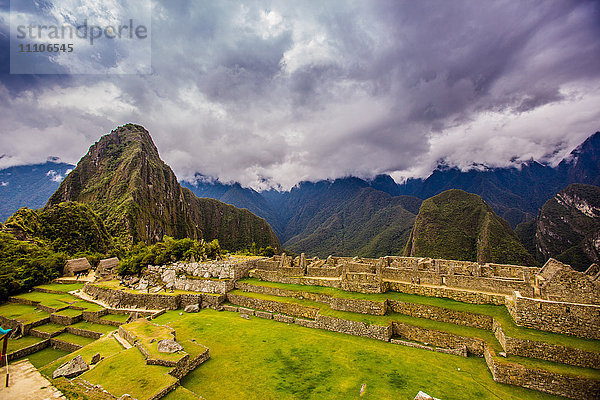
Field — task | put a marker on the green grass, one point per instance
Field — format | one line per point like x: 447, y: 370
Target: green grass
x: 25, y: 341
x: 181, y: 393
x: 90, y: 326
x: 498, y: 312
x: 293, y: 362
x: 149, y: 334
x: 127, y: 372
x: 45, y: 356
x: 106, y: 346
x: 50, y: 328
x: 49, y: 299
x: 62, y: 287
x: 22, y: 312
x: 75, y: 339
x: 69, y: 312
x: 116, y: 317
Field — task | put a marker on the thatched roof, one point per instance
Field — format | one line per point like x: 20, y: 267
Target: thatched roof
x: 108, y: 263
x: 77, y: 265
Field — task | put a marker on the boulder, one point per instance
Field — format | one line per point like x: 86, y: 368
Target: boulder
x: 245, y: 316
x: 96, y: 358
x: 71, y: 369
x: 424, y: 396
x: 192, y: 308
x: 169, y: 346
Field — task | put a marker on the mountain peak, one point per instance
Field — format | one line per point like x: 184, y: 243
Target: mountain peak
x: 137, y: 195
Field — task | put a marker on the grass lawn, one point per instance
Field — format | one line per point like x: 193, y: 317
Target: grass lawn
x: 181, y: 393
x: 106, y: 346
x: 127, y: 372
x: 90, y: 326
x: 60, y: 287
x: 45, y: 356
x: 22, y: 312
x: 50, y: 328
x: 69, y: 312
x: 116, y: 317
x: 75, y: 339
x: 53, y: 300
x: 264, y: 359
x: 149, y: 334
x: 498, y: 312
x: 25, y: 341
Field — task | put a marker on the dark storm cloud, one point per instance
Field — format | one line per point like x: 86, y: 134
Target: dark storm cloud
x: 278, y: 92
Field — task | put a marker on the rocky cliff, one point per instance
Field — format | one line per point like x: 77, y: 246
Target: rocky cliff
x: 567, y: 227
x: 123, y: 179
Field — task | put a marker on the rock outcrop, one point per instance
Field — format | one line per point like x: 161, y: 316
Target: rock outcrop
x: 71, y: 369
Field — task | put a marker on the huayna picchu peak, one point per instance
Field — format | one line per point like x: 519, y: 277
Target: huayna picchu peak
x: 137, y: 195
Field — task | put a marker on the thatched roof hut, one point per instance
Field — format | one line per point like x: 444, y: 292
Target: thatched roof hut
x: 76, y: 265
x: 107, y: 266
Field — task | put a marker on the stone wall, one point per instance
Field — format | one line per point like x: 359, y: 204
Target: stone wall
x: 204, y: 285
x: 24, y: 352
x: 272, y: 291
x: 123, y: 299
x: 461, y: 351
x: 567, y: 318
x: 355, y: 328
x: 442, y: 314
x: 65, y: 319
x: 276, y: 276
x: 20, y: 327
x: 84, y: 332
x: 546, y: 351
x: 449, y: 293
x: 570, y: 386
x: 359, y: 306
x: 45, y: 335
x: 438, y: 338
x: 296, y: 310
x: 64, y: 346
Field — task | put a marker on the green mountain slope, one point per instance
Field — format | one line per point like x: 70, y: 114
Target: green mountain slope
x: 137, y: 195
x: 458, y: 225
x: 66, y: 227
x: 371, y: 223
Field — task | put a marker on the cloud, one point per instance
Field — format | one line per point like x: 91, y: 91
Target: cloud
x: 57, y: 176
x: 268, y: 93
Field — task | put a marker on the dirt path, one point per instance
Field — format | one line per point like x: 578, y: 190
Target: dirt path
x: 27, y: 383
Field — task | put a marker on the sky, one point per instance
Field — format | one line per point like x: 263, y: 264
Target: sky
x: 271, y: 93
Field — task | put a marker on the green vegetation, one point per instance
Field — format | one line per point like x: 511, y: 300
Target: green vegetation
x: 21, y: 343
x: 123, y: 179
x: 69, y: 312
x: 295, y: 362
x: 498, y: 312
x: 44, y: 357
x: 62, y: 287
x: 127, y: 372
x: 166, y: 251
x: 50, y: 328
x: 24, y: 265
x: 369, y: 223
x: 116, y: 317
x: 67, y: 227
x: 149, y: 334
x: 90, y: 326
x: 22, y: 313
x: 75, y: 339
x: 457, y: 225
